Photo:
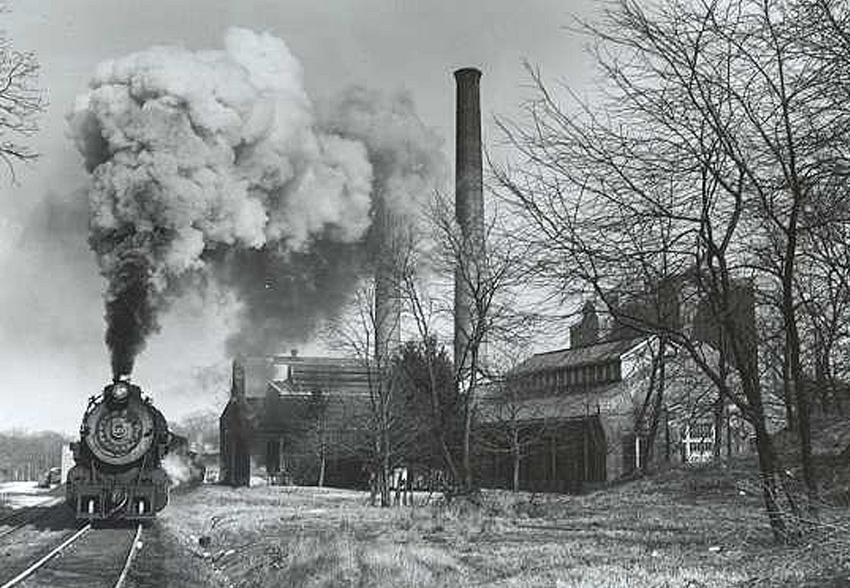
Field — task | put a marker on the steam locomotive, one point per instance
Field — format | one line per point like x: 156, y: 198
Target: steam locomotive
x: 118, y: 471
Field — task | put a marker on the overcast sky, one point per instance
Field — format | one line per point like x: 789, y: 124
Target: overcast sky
x: 52, y: 355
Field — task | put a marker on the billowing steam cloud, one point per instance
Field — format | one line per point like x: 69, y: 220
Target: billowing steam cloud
x: 216, y: 164
x: 179, y: 469
x: 285, y: 294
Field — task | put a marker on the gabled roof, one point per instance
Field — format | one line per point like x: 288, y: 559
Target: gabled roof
x: 591, y: 354
x: 304, y: 375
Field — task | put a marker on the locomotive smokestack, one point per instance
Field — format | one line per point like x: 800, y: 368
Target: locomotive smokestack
x: 469, y: 208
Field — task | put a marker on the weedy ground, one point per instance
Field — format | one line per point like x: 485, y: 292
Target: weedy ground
x: 687, y: 527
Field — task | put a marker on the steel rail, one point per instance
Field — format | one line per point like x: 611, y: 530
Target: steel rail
x: 133, y: 549
x: 56, y: 551
x: 27, y: 520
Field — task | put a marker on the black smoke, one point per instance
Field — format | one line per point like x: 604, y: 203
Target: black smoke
x: 286, y: 294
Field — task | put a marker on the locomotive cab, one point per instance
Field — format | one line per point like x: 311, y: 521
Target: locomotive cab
x: 118, y: 471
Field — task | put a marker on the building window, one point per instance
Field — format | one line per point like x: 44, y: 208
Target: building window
x: 698, y: 442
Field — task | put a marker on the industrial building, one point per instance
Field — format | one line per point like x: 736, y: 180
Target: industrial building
x: 559, y: 421
x: 563, y: 419
x: 572, y: 418
x: 295, y: 419
x: 270, y: 423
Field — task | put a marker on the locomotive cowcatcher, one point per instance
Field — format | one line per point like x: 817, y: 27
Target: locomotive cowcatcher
x: 118, y: 470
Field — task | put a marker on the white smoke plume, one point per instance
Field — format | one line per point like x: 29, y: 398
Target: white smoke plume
x: 407, y: 166
x: 178, y: 468
x: 216, y: 164
x: 406, y: 155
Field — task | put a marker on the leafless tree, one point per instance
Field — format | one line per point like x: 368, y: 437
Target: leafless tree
x: 319, y: 434
x: 21, y: 102
x: 511, y: 427
x: 357, y: 334
x: 823, y: 283
x: 714, y: 131
x: 492, y: 278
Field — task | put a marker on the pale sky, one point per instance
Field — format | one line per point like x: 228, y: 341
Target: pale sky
x: 52, y: 355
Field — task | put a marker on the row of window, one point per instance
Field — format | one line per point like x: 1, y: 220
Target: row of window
x: 574, y: 376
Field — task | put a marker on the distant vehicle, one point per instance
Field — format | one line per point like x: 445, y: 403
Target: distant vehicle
x: 51, y: 477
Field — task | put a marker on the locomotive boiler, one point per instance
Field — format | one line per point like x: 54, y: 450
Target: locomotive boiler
x: 118, y: 471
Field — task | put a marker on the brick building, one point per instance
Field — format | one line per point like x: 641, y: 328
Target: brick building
x: 565, y: 419
x: 295, y: 419
x: 568, y: 415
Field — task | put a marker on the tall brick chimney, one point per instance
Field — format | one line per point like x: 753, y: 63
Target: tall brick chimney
x: 469, y: 207
x: 387, y: 288
x: 237, y: 378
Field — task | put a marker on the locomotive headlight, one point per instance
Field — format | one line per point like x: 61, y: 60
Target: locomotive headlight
x: 120, y: 391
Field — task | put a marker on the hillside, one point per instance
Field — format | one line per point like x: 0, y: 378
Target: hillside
x: 696, y: 527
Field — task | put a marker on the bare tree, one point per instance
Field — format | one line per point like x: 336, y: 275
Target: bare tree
x: 21, y: 101
x: 319, y: 433
x: 714, y: 133
x: 510, y: 427
x: 358, y: 336
x: 491, y: 277
x: 823, y: 283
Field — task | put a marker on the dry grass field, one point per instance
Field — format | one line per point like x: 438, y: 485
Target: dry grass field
x: 697, y: 528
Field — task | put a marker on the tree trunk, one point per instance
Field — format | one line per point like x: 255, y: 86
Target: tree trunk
x: 649, y: 451
x: 767, y: 471
x: 728, y: 435
x: 467, y: 448
x: 322, y: 466
x: 718, y: 427
x: 720, y: 404
x: 516, y: 458
x: 385, y: 467
x: 801, y: 393
x: 788, y: 392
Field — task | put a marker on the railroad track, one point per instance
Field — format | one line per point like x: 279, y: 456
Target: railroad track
x: 31, y: 514
x: 89, y: 557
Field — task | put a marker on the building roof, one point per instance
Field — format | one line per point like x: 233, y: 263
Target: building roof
x: 591, y: 354
x: 332, y: 375
x: 296, y: 374
x: 608, y: 399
